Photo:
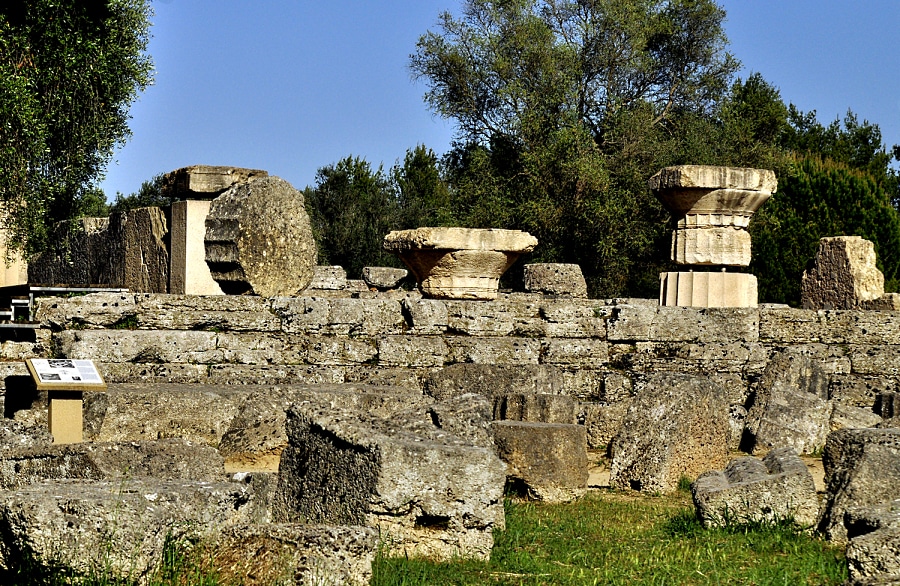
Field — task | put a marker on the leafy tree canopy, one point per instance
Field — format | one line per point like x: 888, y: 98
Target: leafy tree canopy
x: 69, y: 70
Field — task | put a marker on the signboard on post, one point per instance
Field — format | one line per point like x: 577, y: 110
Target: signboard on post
x: 65, y: 381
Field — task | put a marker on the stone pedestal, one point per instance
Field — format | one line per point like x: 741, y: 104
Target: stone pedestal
x: 713, y: 206
x: 708, y: 289
x: 459, y: 263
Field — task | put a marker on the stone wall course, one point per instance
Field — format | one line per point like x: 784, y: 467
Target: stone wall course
x: 412, y: 351
x: 504, y: 350
x: 675, y: 324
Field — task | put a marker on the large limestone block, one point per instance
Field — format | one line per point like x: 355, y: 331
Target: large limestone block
x: 429, y: 492
x: 843, y: 275
x: 711, y: 245
x: 205, y: 181
x: 677, y: 425
x: 138, y: 253
x: 259, y: 239
x: 873, y: 554
x: 862, y: 468
x: 302, y: 554
x: 117, y: 528
x: 535, y: 408
x: 776, y: 488
x: 189, y: 274
x: 547, y: 461
x: 168, y: 459
x: 328, y: 278
x: 79, y: 256
x: 555, y: 279
x: 708, y: 289
x: 383, y: 278
x: 492, y: 380
x: 791, y: 406
x: 459, y: 263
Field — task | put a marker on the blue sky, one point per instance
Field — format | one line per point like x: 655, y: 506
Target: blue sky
x: 292, y: 85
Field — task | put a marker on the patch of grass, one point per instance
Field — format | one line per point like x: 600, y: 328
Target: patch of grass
x: 617, y: 539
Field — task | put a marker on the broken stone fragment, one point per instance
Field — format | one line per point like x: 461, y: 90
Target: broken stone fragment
x: 844, y: 275
x: 259, y: 239
x: 555, y: 279
x: 459, y: 263
x: 777, y: 488
x: 873, y: 554
x: 205, y: 181
x: 383, y: 277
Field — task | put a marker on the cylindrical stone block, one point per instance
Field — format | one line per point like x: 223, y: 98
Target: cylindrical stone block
x: 711, y: 246
x: 712, y: 289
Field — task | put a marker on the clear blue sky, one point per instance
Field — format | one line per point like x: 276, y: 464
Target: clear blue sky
x: 292, y: 85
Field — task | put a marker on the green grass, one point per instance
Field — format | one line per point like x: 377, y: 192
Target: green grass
x: 610, y: 538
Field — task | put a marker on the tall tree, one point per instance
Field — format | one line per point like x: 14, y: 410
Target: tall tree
x: 69, y: 70
x: 564, y: 109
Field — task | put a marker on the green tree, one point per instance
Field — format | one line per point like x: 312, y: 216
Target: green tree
x: 69, y: 70
x: 150, y: 194
x: 351, y: 209
x: 564, y: 109
x: 422, y: 193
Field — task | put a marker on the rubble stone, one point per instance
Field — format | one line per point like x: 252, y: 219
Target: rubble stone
x: 873, y: 553
x: 259, y: 239
x: 677, y: 425
x: 383, y: 278
x: 328, y: 278
x: 534, y: 408
x: 429, y: 492
x: 777, y: 488
x: 555, y: 279
x: 843, y: 275
x: 491, y: 380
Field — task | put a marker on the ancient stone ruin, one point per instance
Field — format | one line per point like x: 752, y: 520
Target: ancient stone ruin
x: 299, y: 430
x: 713, y: 207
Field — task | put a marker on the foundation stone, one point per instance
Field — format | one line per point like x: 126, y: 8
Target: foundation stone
x: 555, y: 279
x: 843, y: 275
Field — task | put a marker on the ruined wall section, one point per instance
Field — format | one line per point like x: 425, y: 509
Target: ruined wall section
x: 598, y: 353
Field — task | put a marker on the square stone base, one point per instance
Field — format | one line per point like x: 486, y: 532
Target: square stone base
x: 708, y: 289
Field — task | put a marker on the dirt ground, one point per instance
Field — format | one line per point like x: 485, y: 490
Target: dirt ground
x: 598, y: 474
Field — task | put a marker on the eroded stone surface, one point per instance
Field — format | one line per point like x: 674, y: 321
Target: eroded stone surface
x: 555, y: 279
x: 873, y: 553
x: 777, y: 488
x: 459, y: 263
x: 384, y: 277
x: 205, y: 181
x: 259, y: 239
x: 677, y: 425
x: 843, y: 276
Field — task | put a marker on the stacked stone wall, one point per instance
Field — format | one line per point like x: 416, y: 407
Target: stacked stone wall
x: 600, y: 353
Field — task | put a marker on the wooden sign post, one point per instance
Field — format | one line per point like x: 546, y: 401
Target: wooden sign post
x: 65, y: 381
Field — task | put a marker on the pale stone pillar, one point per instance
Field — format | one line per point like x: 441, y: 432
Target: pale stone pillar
x: 189, y: 274
x: 713, y: 207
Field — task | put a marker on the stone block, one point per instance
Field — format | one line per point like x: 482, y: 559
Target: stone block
x: 848, y: 416
x: 862, y: 468
x: 503, y: 317
x: 711, y: 245
x: 328, y: 278
x: 426, y: 316
x: 205, y: 181
x: 791, y: 407
x: 686, y: 177
x: 843, y: 275
x: 117, y: 528
x: 873, y: 554
x: 412, y: 351
x: 96, y: 310
x: 777, y: 488
x: 17, y: 436
x: 571, y: 318
x: 602, y: 422
x: 459, y: 263
x: 429, y: 493
x: 887, y: 302
x: 334, y: 350
x: 383, y: 278
x: 677, y: 425
x: 138, y: 252
x: 188, y: 274
x: 491, y: 380
x: 130, y: 372
x: 340, y: 317
x: 80, y: 255
x: 259, y: 240
x: 274, y: 374
x: 520, y: 351
x: 555, y: 279
x: 534, y: 408
x: 547, y: 461
x: 309, y: 555
x: 875, y: 360
x: 679, y: 324
x: 586, y: 353
x: 216, y: 313
x: 167, y: 459
x: 155, y: 346
x: 707, y: 289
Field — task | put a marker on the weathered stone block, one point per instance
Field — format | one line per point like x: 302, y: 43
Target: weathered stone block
x: 491, y: 380
x: 711, y: 245
x: 777, y: 488
x: 493, y: 350
x: 426, y: 316
x: 334, y: 350
x: 258, y: 239
x: 862, y: 468
x: 307, y: 555
x: 328, y: 278
x: 534, y: 408
x: 429, y: 493
x: 843, y: 275
x: 555, y: 279
x: 603, y: 421
x: 588, y: 353
x: 138, y: 251
x: 503, y: 317
x: 119, y: 527
x: 873, y: 553
x: 205, y: 181
x: 156, y: 346
x: 547, y: 460
x: 80, y: 257
x: 340, y: 317
x: 207, y: 312
x: 677, y: 425
x: 383, y: 278
x: 679, y: 324
x: 96, y: 310
x: 412, y: 351
x: 791, y: 407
